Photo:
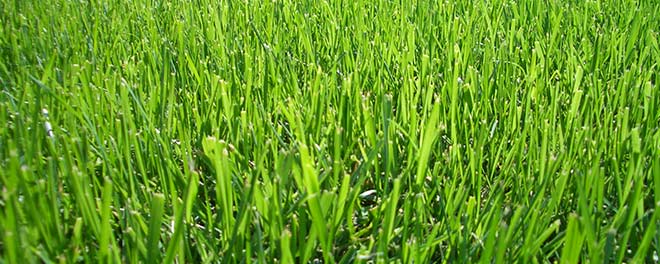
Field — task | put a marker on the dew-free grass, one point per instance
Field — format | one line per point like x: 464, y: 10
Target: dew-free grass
x: 329, y: 131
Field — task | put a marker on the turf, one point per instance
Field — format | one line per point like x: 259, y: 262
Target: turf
x: 347, y: 131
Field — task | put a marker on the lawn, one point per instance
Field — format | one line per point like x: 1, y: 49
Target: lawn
x: 351, y: 131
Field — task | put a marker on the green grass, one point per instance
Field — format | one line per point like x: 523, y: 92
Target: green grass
x: 335, y: 131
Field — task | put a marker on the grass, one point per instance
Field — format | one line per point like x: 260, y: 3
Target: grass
x: 329, y: 131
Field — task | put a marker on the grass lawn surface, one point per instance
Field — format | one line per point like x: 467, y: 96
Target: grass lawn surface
x: 351, y: 131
